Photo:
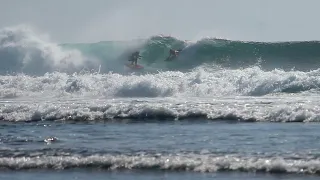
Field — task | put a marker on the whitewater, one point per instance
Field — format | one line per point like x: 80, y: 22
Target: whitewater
x: 222, y: 108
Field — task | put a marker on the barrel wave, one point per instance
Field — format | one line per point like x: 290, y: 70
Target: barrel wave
x: 210, y: 51
x: 22, y: 50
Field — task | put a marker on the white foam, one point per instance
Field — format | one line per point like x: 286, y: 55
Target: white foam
x: 32, y: 52
x: 185, y: 162
x: 248, y: 94
x: 299, y: 109
x: 197, y: 83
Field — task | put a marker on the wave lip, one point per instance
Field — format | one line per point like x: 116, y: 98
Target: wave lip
x: 190, y: 162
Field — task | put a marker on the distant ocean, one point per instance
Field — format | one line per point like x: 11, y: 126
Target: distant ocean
x: 222, y: 109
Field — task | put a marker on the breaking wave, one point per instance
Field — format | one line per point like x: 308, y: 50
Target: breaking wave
x: 24, y: 50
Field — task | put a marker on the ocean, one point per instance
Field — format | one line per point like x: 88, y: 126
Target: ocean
x: 222, y: 109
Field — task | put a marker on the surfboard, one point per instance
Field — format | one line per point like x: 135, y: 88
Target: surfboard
x: 134, y: 66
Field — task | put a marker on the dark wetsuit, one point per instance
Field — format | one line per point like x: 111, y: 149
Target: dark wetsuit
x: 134, y: 58
x: 173, y: 54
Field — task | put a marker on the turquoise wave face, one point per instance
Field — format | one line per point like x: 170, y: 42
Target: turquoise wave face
x: 225, y: 53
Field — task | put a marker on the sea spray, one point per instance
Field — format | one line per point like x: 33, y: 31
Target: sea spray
x: 22, y: 50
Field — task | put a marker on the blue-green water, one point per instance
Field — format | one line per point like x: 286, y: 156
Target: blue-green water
x: 197, y: 149
x: 23, y: 51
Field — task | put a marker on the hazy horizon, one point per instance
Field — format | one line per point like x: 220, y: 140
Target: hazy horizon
x: 102, y: 20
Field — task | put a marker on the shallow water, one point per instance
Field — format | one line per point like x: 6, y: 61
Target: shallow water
x: 191, y: 149
x: 97, y: 175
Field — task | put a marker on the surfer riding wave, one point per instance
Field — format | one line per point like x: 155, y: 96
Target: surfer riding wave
x: 173, y: 53
x: 134, y: 58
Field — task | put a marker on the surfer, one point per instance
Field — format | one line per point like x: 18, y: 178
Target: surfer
x: 173, y: 53
x: 134, y: 58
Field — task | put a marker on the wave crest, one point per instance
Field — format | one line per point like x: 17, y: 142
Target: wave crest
x: 23, y: 50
